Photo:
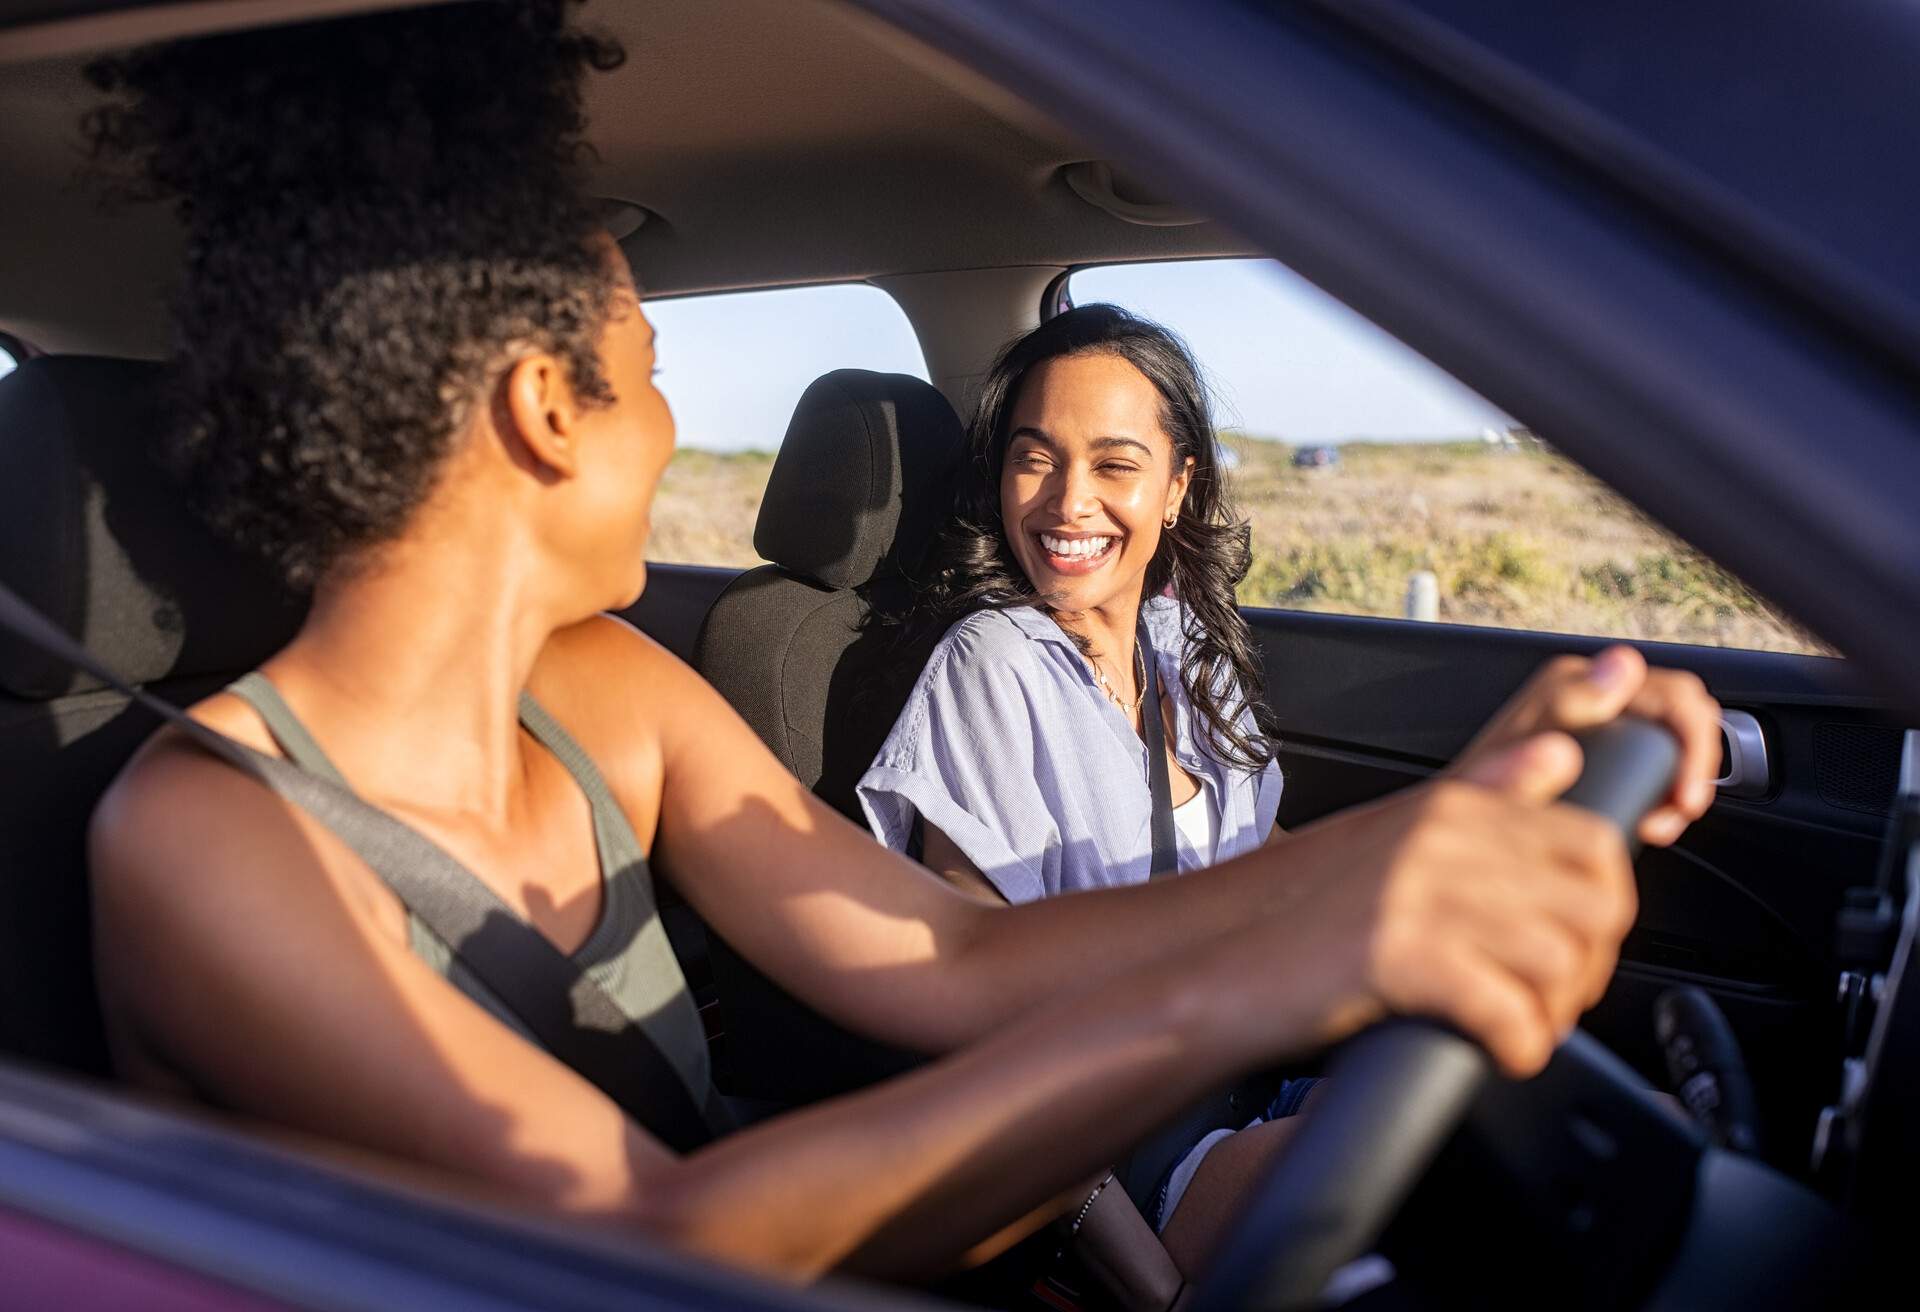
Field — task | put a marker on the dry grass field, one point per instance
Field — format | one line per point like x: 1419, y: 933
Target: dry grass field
x: 1517, y: 539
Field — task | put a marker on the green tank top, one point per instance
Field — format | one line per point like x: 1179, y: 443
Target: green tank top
x: 627, y: 954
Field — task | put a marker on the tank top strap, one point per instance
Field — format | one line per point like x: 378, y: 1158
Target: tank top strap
x: 619, y: 845
x: 299, y: 746
x: 627, y: 954
x: 607, y: 812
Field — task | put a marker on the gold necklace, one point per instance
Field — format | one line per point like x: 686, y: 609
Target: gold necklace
x: 1140, y: 681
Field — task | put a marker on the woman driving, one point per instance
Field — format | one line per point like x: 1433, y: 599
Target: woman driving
x: 414, y: 375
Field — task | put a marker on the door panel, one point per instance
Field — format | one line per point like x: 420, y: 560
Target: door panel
x: 110, y: 1200
x: 1744, y: 906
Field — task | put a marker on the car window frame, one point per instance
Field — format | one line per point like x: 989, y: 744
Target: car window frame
x: 1571, y: 276
x: 1057, y: 299
x: 778, y: 435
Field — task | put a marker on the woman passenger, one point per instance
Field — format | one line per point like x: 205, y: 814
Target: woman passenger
x: 1094, y: 545
x: 413, y: 376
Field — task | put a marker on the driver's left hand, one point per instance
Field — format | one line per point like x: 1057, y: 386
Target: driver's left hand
x: 1571, y: 693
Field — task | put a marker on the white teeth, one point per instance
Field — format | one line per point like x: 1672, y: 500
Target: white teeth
x: 1074, y: 548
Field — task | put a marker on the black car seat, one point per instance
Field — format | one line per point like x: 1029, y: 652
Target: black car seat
x: 861, y: 483
x: 95, y: 537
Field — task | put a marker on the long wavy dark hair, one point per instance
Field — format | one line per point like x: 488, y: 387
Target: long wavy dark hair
x: 1201, y: 559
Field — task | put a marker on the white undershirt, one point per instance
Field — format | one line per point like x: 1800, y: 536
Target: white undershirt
x: 1198, y: 821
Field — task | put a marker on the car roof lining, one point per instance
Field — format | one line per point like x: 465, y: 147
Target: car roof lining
x: 773, y: 143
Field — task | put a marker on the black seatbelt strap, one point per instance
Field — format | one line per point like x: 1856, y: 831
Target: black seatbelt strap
x: 558, y: 1002
x: 1166, y: 857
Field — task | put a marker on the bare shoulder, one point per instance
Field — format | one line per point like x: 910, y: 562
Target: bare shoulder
x: 172, y: 790
x: 659, y: 732
x: 181, y: 838
x: 190, y: 862
x: 609, y: 682
x: 605, y: 664
x: 239, y: 959
x: 627, y: 700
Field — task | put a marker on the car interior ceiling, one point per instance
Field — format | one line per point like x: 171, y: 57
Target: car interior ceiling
x: 770, y: 143
x: 789, y: 144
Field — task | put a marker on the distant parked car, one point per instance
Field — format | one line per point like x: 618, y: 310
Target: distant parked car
x: 1317, y: 457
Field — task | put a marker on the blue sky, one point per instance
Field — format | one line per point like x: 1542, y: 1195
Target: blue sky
x: 733, y: 365
x: 1284, y: 359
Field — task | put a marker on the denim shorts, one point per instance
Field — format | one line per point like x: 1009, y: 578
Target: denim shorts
x: 1288, y: 1102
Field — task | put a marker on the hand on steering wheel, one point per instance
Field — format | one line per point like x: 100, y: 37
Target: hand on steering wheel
x: 1402, y: 1086
x: 1573, y: 694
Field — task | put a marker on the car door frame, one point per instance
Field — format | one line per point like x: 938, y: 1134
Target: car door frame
x: 1726, y: 397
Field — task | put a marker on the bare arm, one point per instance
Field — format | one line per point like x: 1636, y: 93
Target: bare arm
x: 1114, y: 1241
x: 238, y: 956
x: 860, y: 933
x: 865, y: 937
x: 239, y: 947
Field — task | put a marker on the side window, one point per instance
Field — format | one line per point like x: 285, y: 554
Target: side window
x: 1378, y: 485
x: 731, y: 366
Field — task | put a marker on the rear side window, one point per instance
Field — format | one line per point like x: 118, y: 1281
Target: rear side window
x: 732, y: 365
x: 1379, y: 485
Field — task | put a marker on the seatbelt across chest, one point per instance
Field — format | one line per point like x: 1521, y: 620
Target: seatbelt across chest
x: 558, y: 1002
x: 1166, y: 856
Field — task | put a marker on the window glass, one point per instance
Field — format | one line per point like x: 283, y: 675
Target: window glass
x: 1378, y: 485
x: 732, y: 365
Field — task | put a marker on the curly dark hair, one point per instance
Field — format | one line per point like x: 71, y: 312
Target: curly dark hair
x: 379, y: 212
x: 1202, y: 559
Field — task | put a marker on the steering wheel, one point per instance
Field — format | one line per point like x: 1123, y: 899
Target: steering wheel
x: 1403, y: 1088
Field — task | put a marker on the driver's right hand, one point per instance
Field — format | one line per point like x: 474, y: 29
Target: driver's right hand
x: 1477, y: 900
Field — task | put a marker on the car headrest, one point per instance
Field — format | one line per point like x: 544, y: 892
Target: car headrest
x: 863, y: 480
x: 97, y: 538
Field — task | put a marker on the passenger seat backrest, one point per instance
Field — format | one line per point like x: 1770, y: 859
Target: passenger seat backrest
x: 97, y: 538
x: 862, y: 482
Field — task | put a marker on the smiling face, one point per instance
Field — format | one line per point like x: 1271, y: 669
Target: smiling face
x: 1088, y: 481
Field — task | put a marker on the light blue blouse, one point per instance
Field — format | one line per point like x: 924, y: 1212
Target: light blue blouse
x: 1009, y: 748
